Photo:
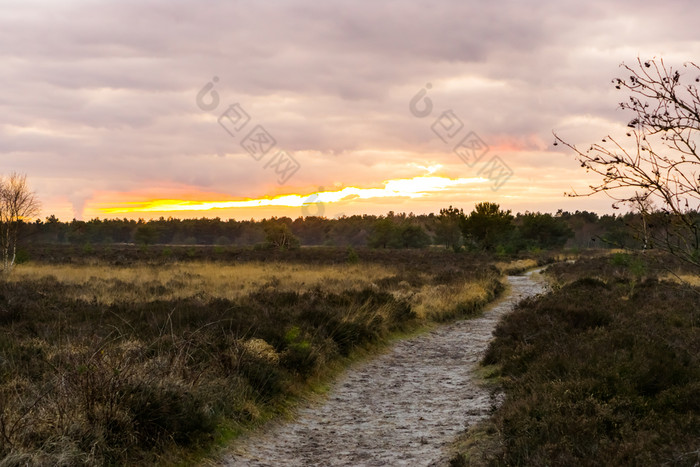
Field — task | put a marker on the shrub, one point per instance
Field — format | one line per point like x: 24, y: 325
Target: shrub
x: 22, y: 256
x: 352, y: 256
x: 594, y: 377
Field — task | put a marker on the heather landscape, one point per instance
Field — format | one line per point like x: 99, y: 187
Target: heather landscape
x: 151, y: 360
x: 604, y: 369
x: 119, y: 353
x: 349, y: 233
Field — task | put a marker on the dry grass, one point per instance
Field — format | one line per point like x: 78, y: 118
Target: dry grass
x: 143, y: 283
x: 682, y: 278
x: 517, y: 266
x: 139, y: 283
x: 434, y: 301
x: 140, y: 364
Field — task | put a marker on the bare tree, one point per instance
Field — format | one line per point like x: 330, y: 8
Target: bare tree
x: 658, y: 163
x: 17, y: 202
x: 643, y: 223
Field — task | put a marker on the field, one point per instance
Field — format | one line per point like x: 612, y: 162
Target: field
x: 149, y: 356
x: 605, y: 370
x: 126, y: 355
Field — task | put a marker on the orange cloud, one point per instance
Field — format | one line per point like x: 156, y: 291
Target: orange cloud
x: 411, y: 188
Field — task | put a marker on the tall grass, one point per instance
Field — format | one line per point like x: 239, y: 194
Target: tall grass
x: 105, y: 364
x: 141, y: 282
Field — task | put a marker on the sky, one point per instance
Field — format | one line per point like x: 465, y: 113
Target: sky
x: 252, y: 109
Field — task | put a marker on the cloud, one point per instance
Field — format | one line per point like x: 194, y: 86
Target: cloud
x: 101, y: 95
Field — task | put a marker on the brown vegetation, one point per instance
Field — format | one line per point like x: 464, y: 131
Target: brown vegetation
x: 122, y: 364
x: 604, y: 370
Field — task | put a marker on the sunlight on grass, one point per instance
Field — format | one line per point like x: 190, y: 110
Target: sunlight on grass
x: 143, y: 283
x: 434, y: 301
x: 514, y: 267
x: 96, y: 349
x: 689, y: 279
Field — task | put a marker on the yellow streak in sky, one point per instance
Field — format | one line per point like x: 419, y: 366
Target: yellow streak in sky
x: 416, y: 187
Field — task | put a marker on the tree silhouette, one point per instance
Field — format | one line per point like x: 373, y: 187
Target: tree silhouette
x: 447, y: 231
x: 658, y: 162
x: 487, y: 225
x: 17, y: 203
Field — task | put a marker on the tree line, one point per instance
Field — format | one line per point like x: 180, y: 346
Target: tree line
x: 655, y: 172
x: 487, y: 227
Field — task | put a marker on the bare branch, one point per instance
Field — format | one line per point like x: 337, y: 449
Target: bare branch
x: 659, y: 162
x: 17, y: 203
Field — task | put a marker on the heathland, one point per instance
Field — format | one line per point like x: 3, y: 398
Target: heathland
x: 119, y: 354
x: 158, y: 357
x: 603, y: 370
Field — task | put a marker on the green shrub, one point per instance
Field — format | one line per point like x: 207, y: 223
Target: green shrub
x: 22, y: 256
x: 353, y: 258
x: 299, y: 355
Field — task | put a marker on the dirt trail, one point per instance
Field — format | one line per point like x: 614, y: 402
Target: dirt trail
x: 401, y: 408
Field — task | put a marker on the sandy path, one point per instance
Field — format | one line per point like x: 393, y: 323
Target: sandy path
x: 401, y: 408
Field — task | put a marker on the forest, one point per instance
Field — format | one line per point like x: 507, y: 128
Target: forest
x: 487, y: 227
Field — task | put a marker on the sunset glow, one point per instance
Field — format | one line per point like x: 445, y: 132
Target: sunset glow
x: 161, y: 120
x: 402, y: 188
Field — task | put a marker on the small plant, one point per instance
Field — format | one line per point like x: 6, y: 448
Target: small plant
x: 633, y: 265
x: 637, y: 267
x: 22, y: 256
x: 299, y: 355
x: 620, y: 259
x: 501, y: 251
x: 352, y: 257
